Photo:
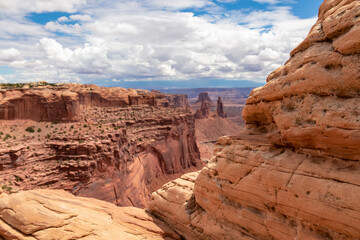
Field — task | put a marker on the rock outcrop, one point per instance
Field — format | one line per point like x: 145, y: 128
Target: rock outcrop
x: 56, y: 214
x: 204, y: 111
x: 177, y: 100
x: 119, y: 155
x: 220, y: 108
x: 293, y: 174
x: 65, y: 102
x: 204, y: 96
x: 39, y: 105
x: 124, y: 145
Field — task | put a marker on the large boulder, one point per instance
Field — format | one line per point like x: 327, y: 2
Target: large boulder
x: 56, y: 214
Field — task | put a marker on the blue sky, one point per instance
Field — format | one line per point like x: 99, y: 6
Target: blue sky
x: 161, y: 41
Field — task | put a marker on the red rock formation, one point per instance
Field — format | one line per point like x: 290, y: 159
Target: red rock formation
x: 293, y: 174
x: 39, y: 105
x: 177, y: 100
x: 220, y: 108
x: 204, y: 96
x: 118, y: 154
x: 204, y: 111
x: 63, y: 102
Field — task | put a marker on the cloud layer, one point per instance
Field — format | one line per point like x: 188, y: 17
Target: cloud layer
x: 145, y: 40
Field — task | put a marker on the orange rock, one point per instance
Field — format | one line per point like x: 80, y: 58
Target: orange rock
x: 51, y: 214
x: 293, y: 173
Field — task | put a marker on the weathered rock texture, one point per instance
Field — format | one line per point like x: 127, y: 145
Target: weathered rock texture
x: 55, y: 214
x: 64, y: 102
x: 220, y: 108
x: 39, y: 105
x: 204, y: 111
x: 115, y: 153
x: 294, y: 173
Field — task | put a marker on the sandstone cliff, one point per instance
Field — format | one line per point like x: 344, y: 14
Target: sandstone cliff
x: 124, y: 145
x: 39, y: 105
x: 204, y: 111
x: 293, y: 174
x: 51, y: 214
x: 65, y: 102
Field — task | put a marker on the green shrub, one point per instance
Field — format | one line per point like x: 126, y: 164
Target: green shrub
x: 30, y: 129
x: 6, y: 137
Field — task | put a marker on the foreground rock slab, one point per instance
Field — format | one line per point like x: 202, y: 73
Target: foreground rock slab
x: 56, y: 214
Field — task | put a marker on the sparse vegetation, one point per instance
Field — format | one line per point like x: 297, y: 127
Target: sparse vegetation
x: 7, y: 136
x: 30, y: 129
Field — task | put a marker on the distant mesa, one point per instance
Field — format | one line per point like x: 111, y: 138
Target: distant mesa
x: 204, y: 96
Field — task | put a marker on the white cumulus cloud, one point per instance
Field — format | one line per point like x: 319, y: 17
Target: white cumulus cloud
x: 39, y: 6
x: 148, y: 40
x: 9, y: 55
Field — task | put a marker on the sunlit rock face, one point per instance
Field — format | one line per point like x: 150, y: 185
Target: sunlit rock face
x: 294, y: 172
x: 55, y: 214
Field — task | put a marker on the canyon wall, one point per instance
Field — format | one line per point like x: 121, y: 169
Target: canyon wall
x: 294, y: 172
x: 39, y: 105
x: 125, y: 144
x: 64, y: 102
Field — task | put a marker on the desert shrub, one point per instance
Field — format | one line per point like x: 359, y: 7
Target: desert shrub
x: 30, y: 129
x: 6, y: 137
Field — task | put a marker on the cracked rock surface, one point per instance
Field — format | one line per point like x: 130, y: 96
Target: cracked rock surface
x: 294, y: 172
x: 56, y: 214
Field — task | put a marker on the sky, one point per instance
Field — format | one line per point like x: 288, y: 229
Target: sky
x: 160, y: 42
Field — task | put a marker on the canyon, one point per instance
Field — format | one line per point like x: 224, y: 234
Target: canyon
x: 112, y: 144
x: 292, y: 173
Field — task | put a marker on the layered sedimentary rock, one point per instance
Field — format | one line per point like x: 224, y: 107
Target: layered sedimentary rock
x: 64, y: 102
x: 39, y: 105
x: 220, y: 108
x: 119, y: 155
x: 125, y: 144
x: 55, y: 214
x: 294, y: 172
x: 204, y: 111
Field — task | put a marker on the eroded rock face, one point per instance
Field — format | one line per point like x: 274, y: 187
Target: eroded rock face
x: 39, y: 105
x: 204, y: 111
x: 220, y: 108
x: 65, y: 102
x: 55, y: 214
x: 119, y: 155
x: 113, y: 144
x: 293, y: 174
